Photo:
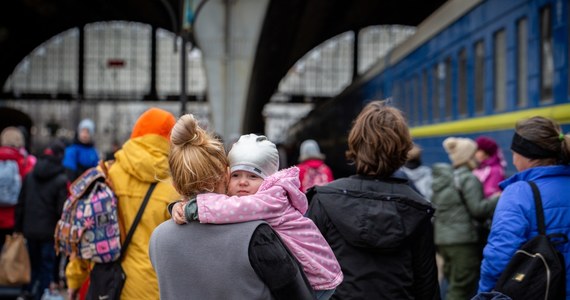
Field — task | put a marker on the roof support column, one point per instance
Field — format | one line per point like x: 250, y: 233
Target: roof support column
x: 227, y: 32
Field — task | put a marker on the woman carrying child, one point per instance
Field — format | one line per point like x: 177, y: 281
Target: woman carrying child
x: 234, y: 261
x: 258, y: 191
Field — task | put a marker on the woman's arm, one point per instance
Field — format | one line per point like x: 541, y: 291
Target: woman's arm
x: 508, y: 232
x: 276, y: 267
x: 478, y: 206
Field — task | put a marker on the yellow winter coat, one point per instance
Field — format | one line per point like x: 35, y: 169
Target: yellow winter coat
x: 142, y: 160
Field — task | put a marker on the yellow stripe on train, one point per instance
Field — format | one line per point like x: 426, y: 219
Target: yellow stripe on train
x: 560, y: 113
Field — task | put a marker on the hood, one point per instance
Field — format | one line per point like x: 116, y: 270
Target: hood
x: 288, y: 179
x: 47, y: 168
x: 536, y: 173
x: 368, y: 218
x: 145, y: 157
x: 417, y: 173
x: 10, y: 153
x: 442, y: 175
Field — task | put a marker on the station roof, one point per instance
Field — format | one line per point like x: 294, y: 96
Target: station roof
x: 291, y: 29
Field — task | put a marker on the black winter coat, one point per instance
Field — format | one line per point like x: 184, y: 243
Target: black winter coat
x: 382, y: 236
x: 41, y: 199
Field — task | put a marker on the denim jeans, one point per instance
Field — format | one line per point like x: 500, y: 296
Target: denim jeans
x: 42, y: 258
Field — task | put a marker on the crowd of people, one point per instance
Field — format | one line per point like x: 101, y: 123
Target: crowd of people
x: 234, y: 224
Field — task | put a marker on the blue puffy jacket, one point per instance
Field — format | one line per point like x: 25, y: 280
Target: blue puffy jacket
x: 514, y: 221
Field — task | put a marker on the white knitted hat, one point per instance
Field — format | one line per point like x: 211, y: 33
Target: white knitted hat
x: 255, y: 154
x: 460, y: 150
x: 310, y: 149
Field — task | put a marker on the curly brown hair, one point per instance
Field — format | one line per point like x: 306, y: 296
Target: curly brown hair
x: 379, y: 140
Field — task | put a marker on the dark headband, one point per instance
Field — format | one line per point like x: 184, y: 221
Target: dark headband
x: 529, y: 149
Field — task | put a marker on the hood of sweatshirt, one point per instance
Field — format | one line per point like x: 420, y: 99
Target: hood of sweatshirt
x: 288, y: 179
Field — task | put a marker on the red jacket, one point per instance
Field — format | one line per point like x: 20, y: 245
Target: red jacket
x: 25, y: 165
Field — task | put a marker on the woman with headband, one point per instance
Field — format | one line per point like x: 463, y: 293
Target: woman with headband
x: 541, y: 153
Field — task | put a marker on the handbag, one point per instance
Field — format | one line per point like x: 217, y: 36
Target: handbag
x: 15, y: 268
x: 107, y: 279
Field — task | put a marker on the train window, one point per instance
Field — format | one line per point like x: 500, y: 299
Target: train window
x: 522, y: 63
x: 500, y: 66
x: 435, y: 95
x: 424, y: 99
x: 546, y: 59
x: 448, y: 86
x: 479, y: 77
x: 407, y: 99
x: 415, y: 106
x: 462, y: 84
x: 398, y: 96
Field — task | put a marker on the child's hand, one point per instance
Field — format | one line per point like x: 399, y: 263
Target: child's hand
x: 178, y: 213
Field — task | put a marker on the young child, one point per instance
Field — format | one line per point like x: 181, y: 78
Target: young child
x: 258, y: 191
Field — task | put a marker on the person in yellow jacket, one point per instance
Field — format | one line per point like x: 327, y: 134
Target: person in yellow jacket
x: 142, y: 160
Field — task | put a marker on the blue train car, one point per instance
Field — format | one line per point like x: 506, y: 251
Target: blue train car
x: 472, y: 68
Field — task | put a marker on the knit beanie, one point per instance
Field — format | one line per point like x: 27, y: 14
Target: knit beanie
x: 87, y: 124
x: 486, y: 144
x: 460, y: 150
x: 415, y: 153
x: 310, y: 149
x: 12, y: 137
x: 255, y: 154
x: 154, y: 121
x: 56, y: 149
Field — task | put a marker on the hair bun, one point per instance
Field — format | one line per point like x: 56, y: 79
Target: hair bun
x: 186, y: 130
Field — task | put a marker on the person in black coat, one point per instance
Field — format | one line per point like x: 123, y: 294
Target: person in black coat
x: 39, y: 207
x: 379, y: 228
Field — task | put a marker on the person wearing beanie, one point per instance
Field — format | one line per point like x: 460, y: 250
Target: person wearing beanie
x: 39, y: 208
x: 458, y: 196
x: 81, y: 154
x: 141, y: 161
x: 312, y: 168
x: 491, y: 165
x: 541, y: 154
x: 255, y: 154
x: 258, y: 191
x: 16, y: 163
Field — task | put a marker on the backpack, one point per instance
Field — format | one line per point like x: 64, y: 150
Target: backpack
x: 537, y: 270
x: 10, y: 182
x: 89, y: 223
x: 315, y: 177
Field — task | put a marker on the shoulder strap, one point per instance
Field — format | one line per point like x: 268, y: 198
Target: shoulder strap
x: 539, y: 210
x: 137, y: 219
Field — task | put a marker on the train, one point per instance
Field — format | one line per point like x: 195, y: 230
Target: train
x: 472, y: 68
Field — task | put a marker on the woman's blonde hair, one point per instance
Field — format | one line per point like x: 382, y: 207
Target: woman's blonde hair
x: 197, y: 160
x: 379, y: 140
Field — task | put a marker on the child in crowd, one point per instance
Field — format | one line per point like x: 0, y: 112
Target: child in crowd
x: 257, y: 190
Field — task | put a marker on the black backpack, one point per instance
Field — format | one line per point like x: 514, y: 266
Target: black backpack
x: 537, y: 269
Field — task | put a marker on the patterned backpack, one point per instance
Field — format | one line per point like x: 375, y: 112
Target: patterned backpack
x: 89, y: 224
